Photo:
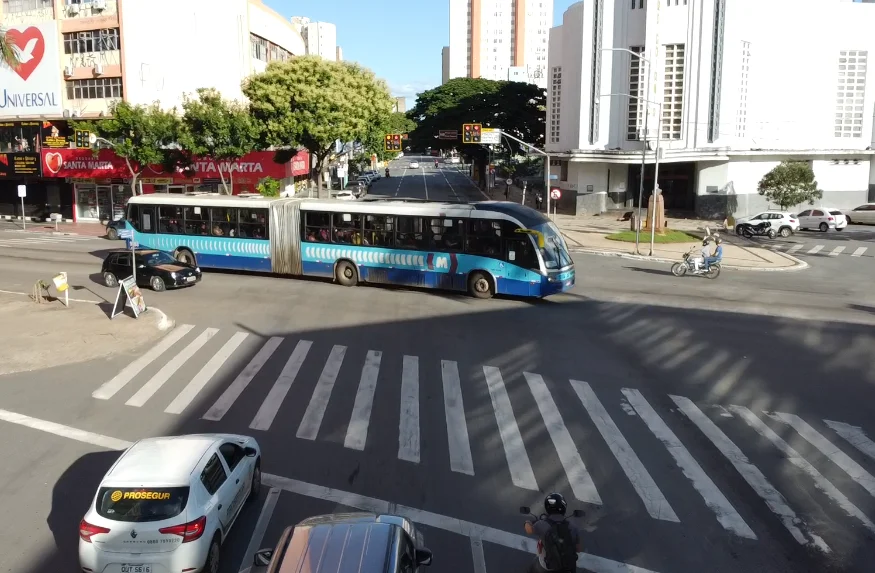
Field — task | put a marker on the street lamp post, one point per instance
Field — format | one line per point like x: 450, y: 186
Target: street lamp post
x: 546, y: 165
x: 643, y: 146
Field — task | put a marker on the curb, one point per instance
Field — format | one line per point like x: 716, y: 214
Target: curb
x: 798, y: 266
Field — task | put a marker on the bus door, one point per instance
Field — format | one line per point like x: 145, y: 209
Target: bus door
x: 521, y: 258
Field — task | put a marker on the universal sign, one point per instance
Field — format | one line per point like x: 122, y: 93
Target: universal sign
x: 34, y: 86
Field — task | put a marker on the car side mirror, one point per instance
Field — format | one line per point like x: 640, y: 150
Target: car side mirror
x: 578, y: 513
x: 263, y: 557
x: 250, y: 452
x: 524, y: 509
x: 423, y: 557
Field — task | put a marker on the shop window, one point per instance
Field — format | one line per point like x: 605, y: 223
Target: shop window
x: 379, y: 231
x: 446, y: 234
x: 19, y: 136
x: 483, y: 238
x: 317, y: 228
x: 347, y: 228
x: 196, y: 221
x: 410, y: 233
x: 224, y: 222
x: 254, y: 224
x: 170, y: 220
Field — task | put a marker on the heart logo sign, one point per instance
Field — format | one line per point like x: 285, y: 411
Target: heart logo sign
x: 54, y: 161
x: 30, y: 46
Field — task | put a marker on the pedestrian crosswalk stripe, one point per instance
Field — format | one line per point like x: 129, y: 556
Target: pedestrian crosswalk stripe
x: 797, y: 460
x: 457, y: 427
x: 202, y: 378
x: 578, y: 477
x: 858, y: 252
x: 218, y: 410
x: 727, y: 516
x: 794, y: 248
x: 312, y: 421
x: 836, y: 251
x: 408, y: 427
x: 521, y: 472
x: 357, y: 431
x: 120, y: 380
x: 854, y: 436
x: 158, y: 380
x: 271, y: 405
x: 655, y: 503
x: 816, y: 249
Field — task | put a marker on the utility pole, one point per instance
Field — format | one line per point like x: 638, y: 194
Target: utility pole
x: 546, y: 165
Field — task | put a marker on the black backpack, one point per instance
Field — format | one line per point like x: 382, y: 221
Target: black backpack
x: 560, y: 551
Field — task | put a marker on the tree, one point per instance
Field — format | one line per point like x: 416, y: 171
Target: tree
x: 790, y: 183
x: 214, y: 128
x: 515, y: 107
x: 314, y: 103
x: 8, y: 51
x: 268, y: 187
x: 141, y: 135
x: 395, y: 122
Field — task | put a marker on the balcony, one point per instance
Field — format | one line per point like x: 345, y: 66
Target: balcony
x: 19, y: 13
x: 88, y: 9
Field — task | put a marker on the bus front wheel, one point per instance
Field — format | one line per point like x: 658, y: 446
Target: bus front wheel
x: 480, y: 285
x: 185, y: 257
x: 346, y: 274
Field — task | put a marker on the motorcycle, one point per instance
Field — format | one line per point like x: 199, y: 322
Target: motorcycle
x: 387, y: 173
x: 748, y: 230
x: 688, y: 264
x: 525, y: 510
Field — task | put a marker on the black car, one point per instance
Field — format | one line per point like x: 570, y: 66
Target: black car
x: 156, y: 269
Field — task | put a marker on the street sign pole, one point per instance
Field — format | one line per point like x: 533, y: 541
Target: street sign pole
x: 22, y: 193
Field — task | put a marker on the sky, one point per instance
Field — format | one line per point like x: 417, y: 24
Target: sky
x: 399, y: 40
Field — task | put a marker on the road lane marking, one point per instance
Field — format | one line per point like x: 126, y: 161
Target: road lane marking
x: 230, y: 395
x: 357, y: 431
x: 120, y: 380
x: 477, y: 556
x: 816, y: 249
x: 797, y: 460
x: 260, y: 528
x: 202, y: 378
x: 859, y: 252
x: 714, y: 498
x: 456, y: 195
x: 401, y: 181
x: 838, y: 457
x: 271, y: 405
x: 457, y: 426
x: 312, y: 421
x: 654, y: 501
x: 836, y: 251
x: 578, y: 476
x: 158, y: 380
x: 446, y: 523
x: 854, y: 436
x: 518, y: 463
x: 794, y: 248
x: 424, y: 182
x: 408, y: 427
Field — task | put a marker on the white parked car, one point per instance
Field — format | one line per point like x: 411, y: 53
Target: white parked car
x: 863, y: 214
x: 167, y: 504
x: 823, y: 219
x: 345, y: 195
x: 783, y: 223
x: 414, y: 165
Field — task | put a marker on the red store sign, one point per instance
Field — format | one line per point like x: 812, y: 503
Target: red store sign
x: 81, y: 163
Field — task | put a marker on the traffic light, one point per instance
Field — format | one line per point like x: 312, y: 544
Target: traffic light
x: 471, y: 133
x: 396, y: 142
x: 82, y: 139
x: 387, y: 143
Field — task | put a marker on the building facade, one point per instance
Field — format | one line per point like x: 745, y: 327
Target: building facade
x: 498, y: 40
x: 725, y: 94
x: 320, y: 38
x: 80, y: 57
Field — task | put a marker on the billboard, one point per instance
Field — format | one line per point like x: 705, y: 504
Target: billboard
x: 34, y: 86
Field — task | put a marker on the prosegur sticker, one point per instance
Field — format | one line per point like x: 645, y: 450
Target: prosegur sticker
x: 156, y: 495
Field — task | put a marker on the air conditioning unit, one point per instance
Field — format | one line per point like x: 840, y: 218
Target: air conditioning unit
x: 75, y: 113
x: 98, y: 5
x: 68, y: 71
x: 73, y: 9
x: 98, y: 69
x: 66, y: 113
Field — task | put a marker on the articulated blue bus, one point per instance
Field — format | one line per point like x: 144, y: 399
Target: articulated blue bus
x: 483, y: 248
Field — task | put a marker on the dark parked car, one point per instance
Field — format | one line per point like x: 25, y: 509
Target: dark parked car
x: 113, y: 227
x: 156, y: 269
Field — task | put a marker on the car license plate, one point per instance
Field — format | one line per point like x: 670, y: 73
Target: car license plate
x: 190, y: 279
x: 136, y: 569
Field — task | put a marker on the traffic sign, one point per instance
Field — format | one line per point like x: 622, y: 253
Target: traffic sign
x: 509, y: 181
x: 555, y: 194
x: 22, y: 190
x: 450, y: 134
x: 490, y: 136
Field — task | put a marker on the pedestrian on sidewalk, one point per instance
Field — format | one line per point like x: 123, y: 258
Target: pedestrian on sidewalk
x: 538, y: 199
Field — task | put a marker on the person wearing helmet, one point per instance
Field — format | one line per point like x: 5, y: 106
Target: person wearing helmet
x: 558, y: 539
x: 718, y: 253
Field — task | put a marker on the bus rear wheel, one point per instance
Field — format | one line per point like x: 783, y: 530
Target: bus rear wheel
x: 480, y: 285
x: 345, y: 273
x: 185, y: 257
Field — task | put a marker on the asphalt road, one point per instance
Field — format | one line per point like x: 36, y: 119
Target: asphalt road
x: 664, y: 407
x: 853, y: 246
x: 444, y: 183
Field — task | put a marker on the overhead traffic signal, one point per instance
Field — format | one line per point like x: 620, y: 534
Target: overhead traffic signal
x: 387, y: 143
x: 82, y: 139
x: 392, y: 142
x: 471, y: 132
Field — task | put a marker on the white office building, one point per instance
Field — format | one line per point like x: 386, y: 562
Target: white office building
x: 320, y: 38
x: 498, y: 40
x: 738, y: 94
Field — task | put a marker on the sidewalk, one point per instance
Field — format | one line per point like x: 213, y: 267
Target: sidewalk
x: 36, y: 336
x: 83, y: 229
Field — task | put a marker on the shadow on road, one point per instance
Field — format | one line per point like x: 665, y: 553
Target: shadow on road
x: 662, y: 272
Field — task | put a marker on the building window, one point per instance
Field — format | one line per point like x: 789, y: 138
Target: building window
x: 91, y: 41
x: 741, y: 114
x: 639, y: 4
x: 555, y: 103
x: 673, y: 99
x: 97, y: 88
x: 851, y: 93
x: 637, y: 107
x: 18, y: 6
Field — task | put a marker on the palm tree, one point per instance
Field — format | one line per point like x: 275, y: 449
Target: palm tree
x: 8, y: 55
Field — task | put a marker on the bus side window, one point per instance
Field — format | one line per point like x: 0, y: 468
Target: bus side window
x: 170, y: 220
x: 521, y: 253
x: 197, y: 221
x: 133, y: 216
x: 379, y: 231
x: 317, y: 227
x: 147, y: 219
x: 483, y: 238
x: 446, y: 234
x: 347, y: 228
x: 223, y: 222
x: 409, y: 233
x: 254, y: 224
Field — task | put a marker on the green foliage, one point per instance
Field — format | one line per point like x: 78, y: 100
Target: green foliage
x: 268, y: 187
x: 395, y: 122
x: 514, y: 107
x: 790, y: 183
x: 313, y: 102
x: 214, y: 128
x: 141, y: 135
x: 8, y: 54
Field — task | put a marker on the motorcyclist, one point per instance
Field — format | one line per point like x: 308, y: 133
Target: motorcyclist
x: 546, y: 528
x: 718, y: 254
x: 704, y: 254
x: 435, y: 163
x: 387, y: 172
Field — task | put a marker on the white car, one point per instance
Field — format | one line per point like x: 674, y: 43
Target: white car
x: 823, y: 219
x: 414, y: 165
x: 167, y: 504
x: 345, y: 195
x: 783, y: 223
x: 863, y: 214
x: 375, y: 175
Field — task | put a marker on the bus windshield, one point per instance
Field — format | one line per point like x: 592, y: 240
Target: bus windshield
x: 555, y: 252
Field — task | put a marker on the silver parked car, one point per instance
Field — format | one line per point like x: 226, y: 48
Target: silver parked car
x: 863, y: 214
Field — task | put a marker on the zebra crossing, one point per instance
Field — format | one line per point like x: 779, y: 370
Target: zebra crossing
x: 734, y: 433
x: 15, y: 238
x: 802, y: 249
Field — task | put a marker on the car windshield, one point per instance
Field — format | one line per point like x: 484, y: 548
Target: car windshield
x: 139, y: 504
x: 555, y: 252
x: 156, y: 259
